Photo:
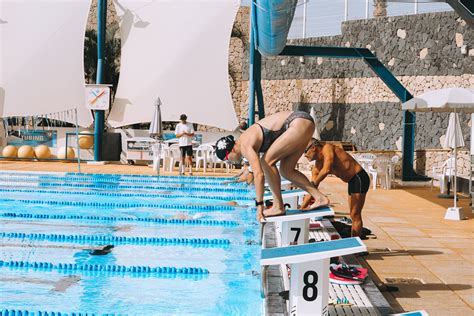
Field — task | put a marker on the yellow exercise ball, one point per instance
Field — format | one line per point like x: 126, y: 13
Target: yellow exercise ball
x: 86, y: 141
x: 71, y: 154
x: 42, y: 151
x: 26, y: 151
x: 10, y: 151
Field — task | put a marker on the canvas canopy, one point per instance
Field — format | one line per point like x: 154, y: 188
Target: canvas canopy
x: 178, y: 50
x: 42, y: 58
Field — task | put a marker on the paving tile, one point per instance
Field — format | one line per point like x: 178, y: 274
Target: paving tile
x: 465, y: 243
x: 469, y: 257
x: 442, y: 233
x: 468, y: 298
x: 404, y: 231
x: 422, y: 242
x: 386, y: 219
x: 424, y: 276
x: 444, y: 310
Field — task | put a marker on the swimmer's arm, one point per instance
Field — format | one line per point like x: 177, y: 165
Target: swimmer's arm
x: 258, y: 176
x: 328, y: 155
x: 314, y: 173
x: 229, y: 181
x: 239, y: 174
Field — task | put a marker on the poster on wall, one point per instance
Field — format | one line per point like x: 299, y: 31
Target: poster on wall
x: 32, y: 138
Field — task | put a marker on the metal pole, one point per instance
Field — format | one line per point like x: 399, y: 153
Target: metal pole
x: 416, y: 7
x: 251, y: 118
x: 77, y: 144
x: 346, y: 9
x: 99, y: 114
x: 455, y: 161
x: 366, y: 9
x: 304, y: 17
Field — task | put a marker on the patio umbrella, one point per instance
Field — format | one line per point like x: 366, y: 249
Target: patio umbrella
x: 156, y: 125
x: 446, y: 100
x: 156, y: 132
x: 316, y: 134
x: 454, y: 140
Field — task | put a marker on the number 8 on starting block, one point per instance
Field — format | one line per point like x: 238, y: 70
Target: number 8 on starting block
x: 309, y: 264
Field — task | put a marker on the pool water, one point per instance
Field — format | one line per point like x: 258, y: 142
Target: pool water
x: 178, y: 249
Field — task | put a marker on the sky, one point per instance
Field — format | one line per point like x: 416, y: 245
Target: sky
x: 324, y: 17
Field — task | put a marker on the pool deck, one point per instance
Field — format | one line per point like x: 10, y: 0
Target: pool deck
x: 430, y: 260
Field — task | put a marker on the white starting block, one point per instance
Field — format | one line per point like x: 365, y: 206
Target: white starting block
x: 295, y: 224
x: 414, y: 313
x: 309, y: 284
x: 289, y: 197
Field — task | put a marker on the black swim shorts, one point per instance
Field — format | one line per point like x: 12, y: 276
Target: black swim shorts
x: 359, y: 183
x: 186, y: 151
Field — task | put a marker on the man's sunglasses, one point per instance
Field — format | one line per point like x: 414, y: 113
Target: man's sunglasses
x: 314, y: 142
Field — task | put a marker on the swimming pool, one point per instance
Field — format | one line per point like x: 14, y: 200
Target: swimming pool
x: 178, y: 249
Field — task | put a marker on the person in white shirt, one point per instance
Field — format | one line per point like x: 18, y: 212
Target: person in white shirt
x: 185, y: 133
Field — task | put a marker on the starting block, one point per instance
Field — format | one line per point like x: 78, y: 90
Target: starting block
x: 415, y: 313
x: 295, y: 224
x: 289, y: 197
x: 309, y: 264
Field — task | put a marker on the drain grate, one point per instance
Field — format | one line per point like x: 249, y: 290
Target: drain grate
x: 404, y: 281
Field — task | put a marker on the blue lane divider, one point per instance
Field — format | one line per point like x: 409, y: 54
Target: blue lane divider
x: 147, y: 176
x: 117, y: 239
x: 72, y: 267
x: 104, y: 179
x: 144, y: 187
x: 121, y: 175
x: 23, y: 312
x: 125, y: 194
x: 209, y: 208
x: 162, y: 221
x: 110, y: 186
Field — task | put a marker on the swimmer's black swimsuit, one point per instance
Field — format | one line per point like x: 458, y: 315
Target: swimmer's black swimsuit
x: 270, y: 136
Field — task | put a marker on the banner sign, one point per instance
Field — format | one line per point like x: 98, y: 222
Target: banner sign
x: 168, y: 136
x: 32, y: 138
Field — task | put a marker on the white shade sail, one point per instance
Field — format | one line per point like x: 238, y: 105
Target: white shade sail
x: 42, y: 57
x: 178, y: 50
x: 454, y: 138
x: 442, y: 100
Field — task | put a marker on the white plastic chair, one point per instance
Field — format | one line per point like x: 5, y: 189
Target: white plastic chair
x: 215, y: 160
x: 394, y: 160
x: 202, y: 155
x: 174, y: 156
x: 162, y: 155
x: 446, y: 172
x: 381, y: 169
x: 366, y: 160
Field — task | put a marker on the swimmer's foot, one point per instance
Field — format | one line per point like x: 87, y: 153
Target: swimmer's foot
x: 273, y: 212
x: 319, y: 203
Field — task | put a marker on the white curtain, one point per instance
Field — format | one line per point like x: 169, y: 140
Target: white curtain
x: 176, y: 50
x: 42, y: 57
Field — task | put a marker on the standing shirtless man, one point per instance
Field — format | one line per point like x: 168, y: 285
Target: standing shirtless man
x: 334, y: 160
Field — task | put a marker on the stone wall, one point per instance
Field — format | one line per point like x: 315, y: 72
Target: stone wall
x: 412, y: 45
x: 425, y: 52
x: 112, y: 18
